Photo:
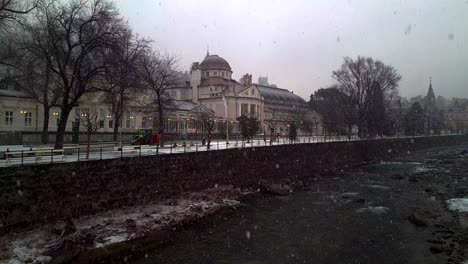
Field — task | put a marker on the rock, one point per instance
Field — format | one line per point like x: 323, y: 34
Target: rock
x: 360, y: 200
x: 69, y: 227
x: 197, y: 208
x: 172, y: 202
x: 413, y: 179
x: 130, y: 222
x: 279, y: 189
x: 417, y: 220
x: 397, y: 177
x: 436, y: 249
x: 299, y: 185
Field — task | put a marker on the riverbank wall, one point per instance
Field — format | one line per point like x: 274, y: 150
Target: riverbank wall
x: 31, y: 195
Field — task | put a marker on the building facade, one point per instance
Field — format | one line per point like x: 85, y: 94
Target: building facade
x: 208, y: 88
x: 456, y: 120
x: 213, y: 86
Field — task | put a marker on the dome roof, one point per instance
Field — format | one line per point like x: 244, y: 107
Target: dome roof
x: 214, y: 62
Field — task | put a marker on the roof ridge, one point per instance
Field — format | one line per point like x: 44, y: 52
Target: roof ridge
x: 284, y: 89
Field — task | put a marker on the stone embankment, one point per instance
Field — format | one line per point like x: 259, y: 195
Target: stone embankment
x: 76, y: 201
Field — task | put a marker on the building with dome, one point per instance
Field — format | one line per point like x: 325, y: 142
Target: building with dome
x: 212, y: 85
x: 207, y: 88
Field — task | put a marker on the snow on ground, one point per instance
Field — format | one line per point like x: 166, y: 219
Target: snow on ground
x: 115, y: 226
x: 379, y: 210
x: 458, y: 204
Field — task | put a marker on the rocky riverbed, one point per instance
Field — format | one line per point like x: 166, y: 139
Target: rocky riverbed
x: 398, y: 211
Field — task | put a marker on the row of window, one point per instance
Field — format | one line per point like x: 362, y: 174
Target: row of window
x: 130, y: 119
x: 245, y: 109
x: 215, y: 73
x: 26, y: 115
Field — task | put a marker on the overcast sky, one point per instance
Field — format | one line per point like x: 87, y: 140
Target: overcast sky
x: 299, y: 43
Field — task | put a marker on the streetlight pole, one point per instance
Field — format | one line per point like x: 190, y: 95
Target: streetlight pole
x: 226, y: 115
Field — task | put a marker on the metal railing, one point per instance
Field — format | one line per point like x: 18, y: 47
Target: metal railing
x: 32, y: 156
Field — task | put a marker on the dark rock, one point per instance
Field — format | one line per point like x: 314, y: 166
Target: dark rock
x: 130, y: 222
x: 299, y: 185
x: 197, y: 208
x: 360, y: 200
x: 417, y: 220
x: 397, y: 177
x: 171, y: 202
x: 436, y: 249
x: 413, y: 179
x: 69, y: 227
x: 279, y: 189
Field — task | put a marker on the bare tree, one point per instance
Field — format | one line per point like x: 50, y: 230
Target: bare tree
x: 208, y: 125
x: 11, y: 9
x: 90, y: 122
x: 10, y: 13
x: 33, y: 72
x: 272, y: 125
x: 362, y: 80
x: 121, y: 81
x: 38, y: 81
x: 79, y: 33
x: 159, y: 75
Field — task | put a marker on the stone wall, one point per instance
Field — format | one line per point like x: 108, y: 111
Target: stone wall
x: 34, y: 194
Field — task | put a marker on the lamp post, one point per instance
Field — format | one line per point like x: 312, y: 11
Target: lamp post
x: 226, y: 115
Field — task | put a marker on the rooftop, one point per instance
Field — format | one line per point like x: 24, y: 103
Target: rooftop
x: 279, y: 95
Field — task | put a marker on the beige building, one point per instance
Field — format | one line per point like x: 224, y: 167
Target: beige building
x: 208, y: 88
x: 457, y: 120
x: 212, y: 85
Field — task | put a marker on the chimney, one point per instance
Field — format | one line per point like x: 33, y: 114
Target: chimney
x: 247, y: 80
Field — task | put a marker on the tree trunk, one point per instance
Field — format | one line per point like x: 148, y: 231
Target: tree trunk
x: 88, y: 140
x: 61, y: 129
x: 116, y: 127
x: 161, y: 126
x: 45, y: 125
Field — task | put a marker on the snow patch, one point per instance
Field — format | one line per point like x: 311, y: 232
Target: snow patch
x: 422, y: 169
x: 380, y: 187
x: 400, y: 163
x: 379, y: 210
x: 349, y: 194
x: 458, y: 204
x: 111, y: 240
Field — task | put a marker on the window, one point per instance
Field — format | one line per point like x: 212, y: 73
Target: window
x: 101, y: 118
x: 253, y: 91
x: 77, y: 114
x: 253, y: 109
x: 127, y: 120
x: 222, y: 74
x: 57, y: 118
x: 8, y: 118
x: 144, y: 122
x: 111, y: 122
x: 207, y: 74
x: 28, y: 119
x: 244, y: 109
